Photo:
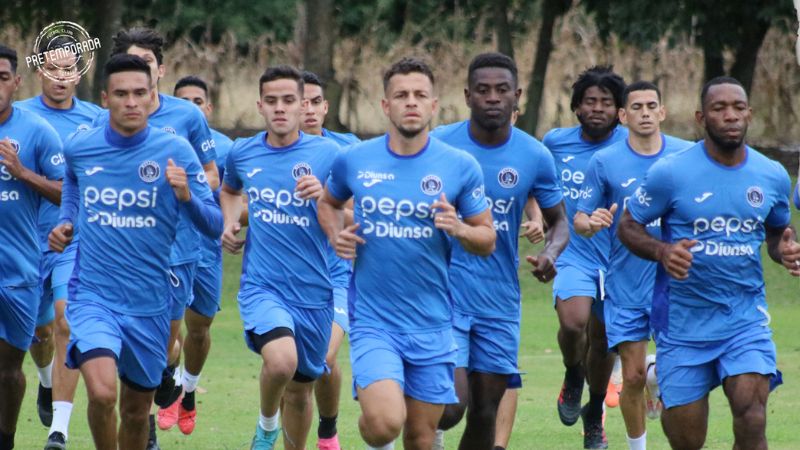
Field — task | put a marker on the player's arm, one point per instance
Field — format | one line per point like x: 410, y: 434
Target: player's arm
x: 232, y: 205
x: 783, y: 248
x: 475, y: 233
x: 676, y: 258
x: 332, y: 215
x: 592, y: 215
x: 533, y: 228
x: 49, y: 189
x: 556, y: 241
x: 212, y: 174
x: 61, y: 236
x: 601, y: 218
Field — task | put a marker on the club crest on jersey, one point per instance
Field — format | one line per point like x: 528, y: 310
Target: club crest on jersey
x: 508, y: 177
x: 15, y: 144
x: 431, y: 185
x: 170, y: 130
x: 149, y: 171
x: 755, y: 196
x: 300, y: 170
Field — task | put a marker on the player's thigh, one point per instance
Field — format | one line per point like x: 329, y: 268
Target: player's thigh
x: 207, y: 291
x: 422, y: 417
x: 337, y: 337
x: 625, y: 325
x: 574, y: 290
x: 494, y: 345
x: 686, y: 425
x: 197, y: 324
x: 382, y: 402
x: 144, y: 351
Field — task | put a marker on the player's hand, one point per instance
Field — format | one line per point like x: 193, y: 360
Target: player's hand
x: 790, y: 252
x: 230, y: 242
x: 308, y: 187
x: 445, y: 217
x: 10, y: 159
x: 544, y: 269
x: 533, y: 231
x: 176, y: 177
x: 60, y: 237
x: 677, y: 259
x: 347, y: 241
x: 602, y: 218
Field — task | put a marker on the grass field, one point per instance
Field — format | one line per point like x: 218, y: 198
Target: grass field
x: 228, y: 400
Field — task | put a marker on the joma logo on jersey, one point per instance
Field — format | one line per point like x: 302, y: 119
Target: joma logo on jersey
x: 119, y: 200
x: 280, y: 198
x: 300, y: 170
x: 170, y: 130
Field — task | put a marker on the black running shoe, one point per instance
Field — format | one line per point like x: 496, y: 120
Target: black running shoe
x: 594, y: 435
x: 152, y: 440
x: 56, y: 441
x: 44, y: 403
x: 569, y: 403
x: 165, y: 393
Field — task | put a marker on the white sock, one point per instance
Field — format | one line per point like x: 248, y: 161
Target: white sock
x: 61, y: 414
x: 268, y: 423
x: 189, y: 381
x: 46, y: 375
x: 438, y: 440
x: 389, y: 446
x: 652, y: 381
x: 639, y: 443
x: 177, y: 376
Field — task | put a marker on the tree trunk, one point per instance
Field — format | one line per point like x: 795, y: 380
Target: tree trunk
x: 744, y: 66
x: 318, y: 56
x: 505, y: 43
x: 551, y: 11
x: 108, y: 22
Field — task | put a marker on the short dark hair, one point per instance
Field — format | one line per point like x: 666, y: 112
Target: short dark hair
x: 312, y: 78
x: 280, y: 72
x: 640, y: 86
x: 406, y: 66
x: 11, y: 55
x: 717, y: 81
x: 492, y: 59
x: 146, y: 38
x: 191, y: 80
x: 602, y: 77
x: 124, y: 62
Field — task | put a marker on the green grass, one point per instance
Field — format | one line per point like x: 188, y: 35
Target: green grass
x: 228, y: 406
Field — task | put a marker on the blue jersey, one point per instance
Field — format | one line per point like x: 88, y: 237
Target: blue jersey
x: 65, y: 122
x: 39, y: 150
x: 286, y: 251
x: 341, y: 269
x: 796, y: 196
x: 572, y: 154
x: 128, y: 215
x: 726, y: 209
x: 400, y: 274
x: 515, y: 170
x: 182, y: 118
x: 211, y: 249
x: 614, y: 174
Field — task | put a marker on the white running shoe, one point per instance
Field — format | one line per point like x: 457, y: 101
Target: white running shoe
x: 651, y: 392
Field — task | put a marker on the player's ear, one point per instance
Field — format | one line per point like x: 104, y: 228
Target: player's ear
x: 104, y: 99
x: 662, y: 113
x: 162, y: 70
x: 385, y: 106
x: 623, y: 116
x: 700, y: 118
x: 466, y: 96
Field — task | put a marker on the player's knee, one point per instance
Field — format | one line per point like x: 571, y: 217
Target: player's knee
x: 103, y: 397
x: 279, y: 369
x: 44, y: 333
x: 330, y: 361
x: 198, y: 334
x: 297, y: 398
x: 61, y: 329
x: 750, y: 418
x: 380, y: 428
x: 573, y: 327
x: 687, y: 441
x: 483, y: 415
x: 634, y: 377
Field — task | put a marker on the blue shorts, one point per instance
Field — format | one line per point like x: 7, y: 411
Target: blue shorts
x: 515, y: 381
x: 626, y: 324
x: 572, y: 281
x: 62, y: 272
x: 181, y: 280
x: 139, y: 344
x: 207, y: 290
x: 18, y: 307
x: 311, y: 327
x: 688, y: 371
x: 423, y: 364
x: 46, y: 312
x: 486, y: 345
x: 340, y: 309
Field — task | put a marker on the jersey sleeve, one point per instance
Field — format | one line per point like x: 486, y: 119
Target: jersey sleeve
x: 50, y: 158
x: 337, y: 182
x: 653, y: 198
x: 70, y: 196
x: 546, y: 188
x: 195, y: 175
x: 593, y: 192
x: 780, y: 215
x: 231, y: 177
x: 201, y: 139
x: 471, y: 199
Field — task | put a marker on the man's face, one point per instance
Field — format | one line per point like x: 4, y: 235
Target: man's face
x: 128, y: 98
x: 281, y: 105
x: 197, y: 96
x: 597, y: 112
x: 643, y: 113
x: 156, y: 71
x: 725, y: 115
x: 59, y: 78
x: 9, y: 82
x: 491, y: 97
x: 409, y: 103
x: 316, y: 109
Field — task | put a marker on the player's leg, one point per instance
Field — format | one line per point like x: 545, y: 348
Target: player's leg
x: 328, y: 387
x: 747, y: 394
x: 99, y: 370
x: 506, y: 413
x: 42, y: 348
x: 134, y: 407
x: 686, y: 426
x: 573, y: 316
x: 296, y: 413
x: 486, y: 391
x: 462, y: 327
x: 421, y: 421
x: 599, y: 364
x: 631, y: 401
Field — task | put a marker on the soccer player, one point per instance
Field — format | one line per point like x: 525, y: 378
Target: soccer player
x: 285, y: 298
x: 328, y: 388
x: 58, y: 105
x: 30, y: 152
x: 578, y: 287
x: 125, y: 185
x: 205, y: 300
x: 717, y: 202
x: 408, y: 189
x: 485, y: 291
x: 613, y: 175
x: 177, y: 117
